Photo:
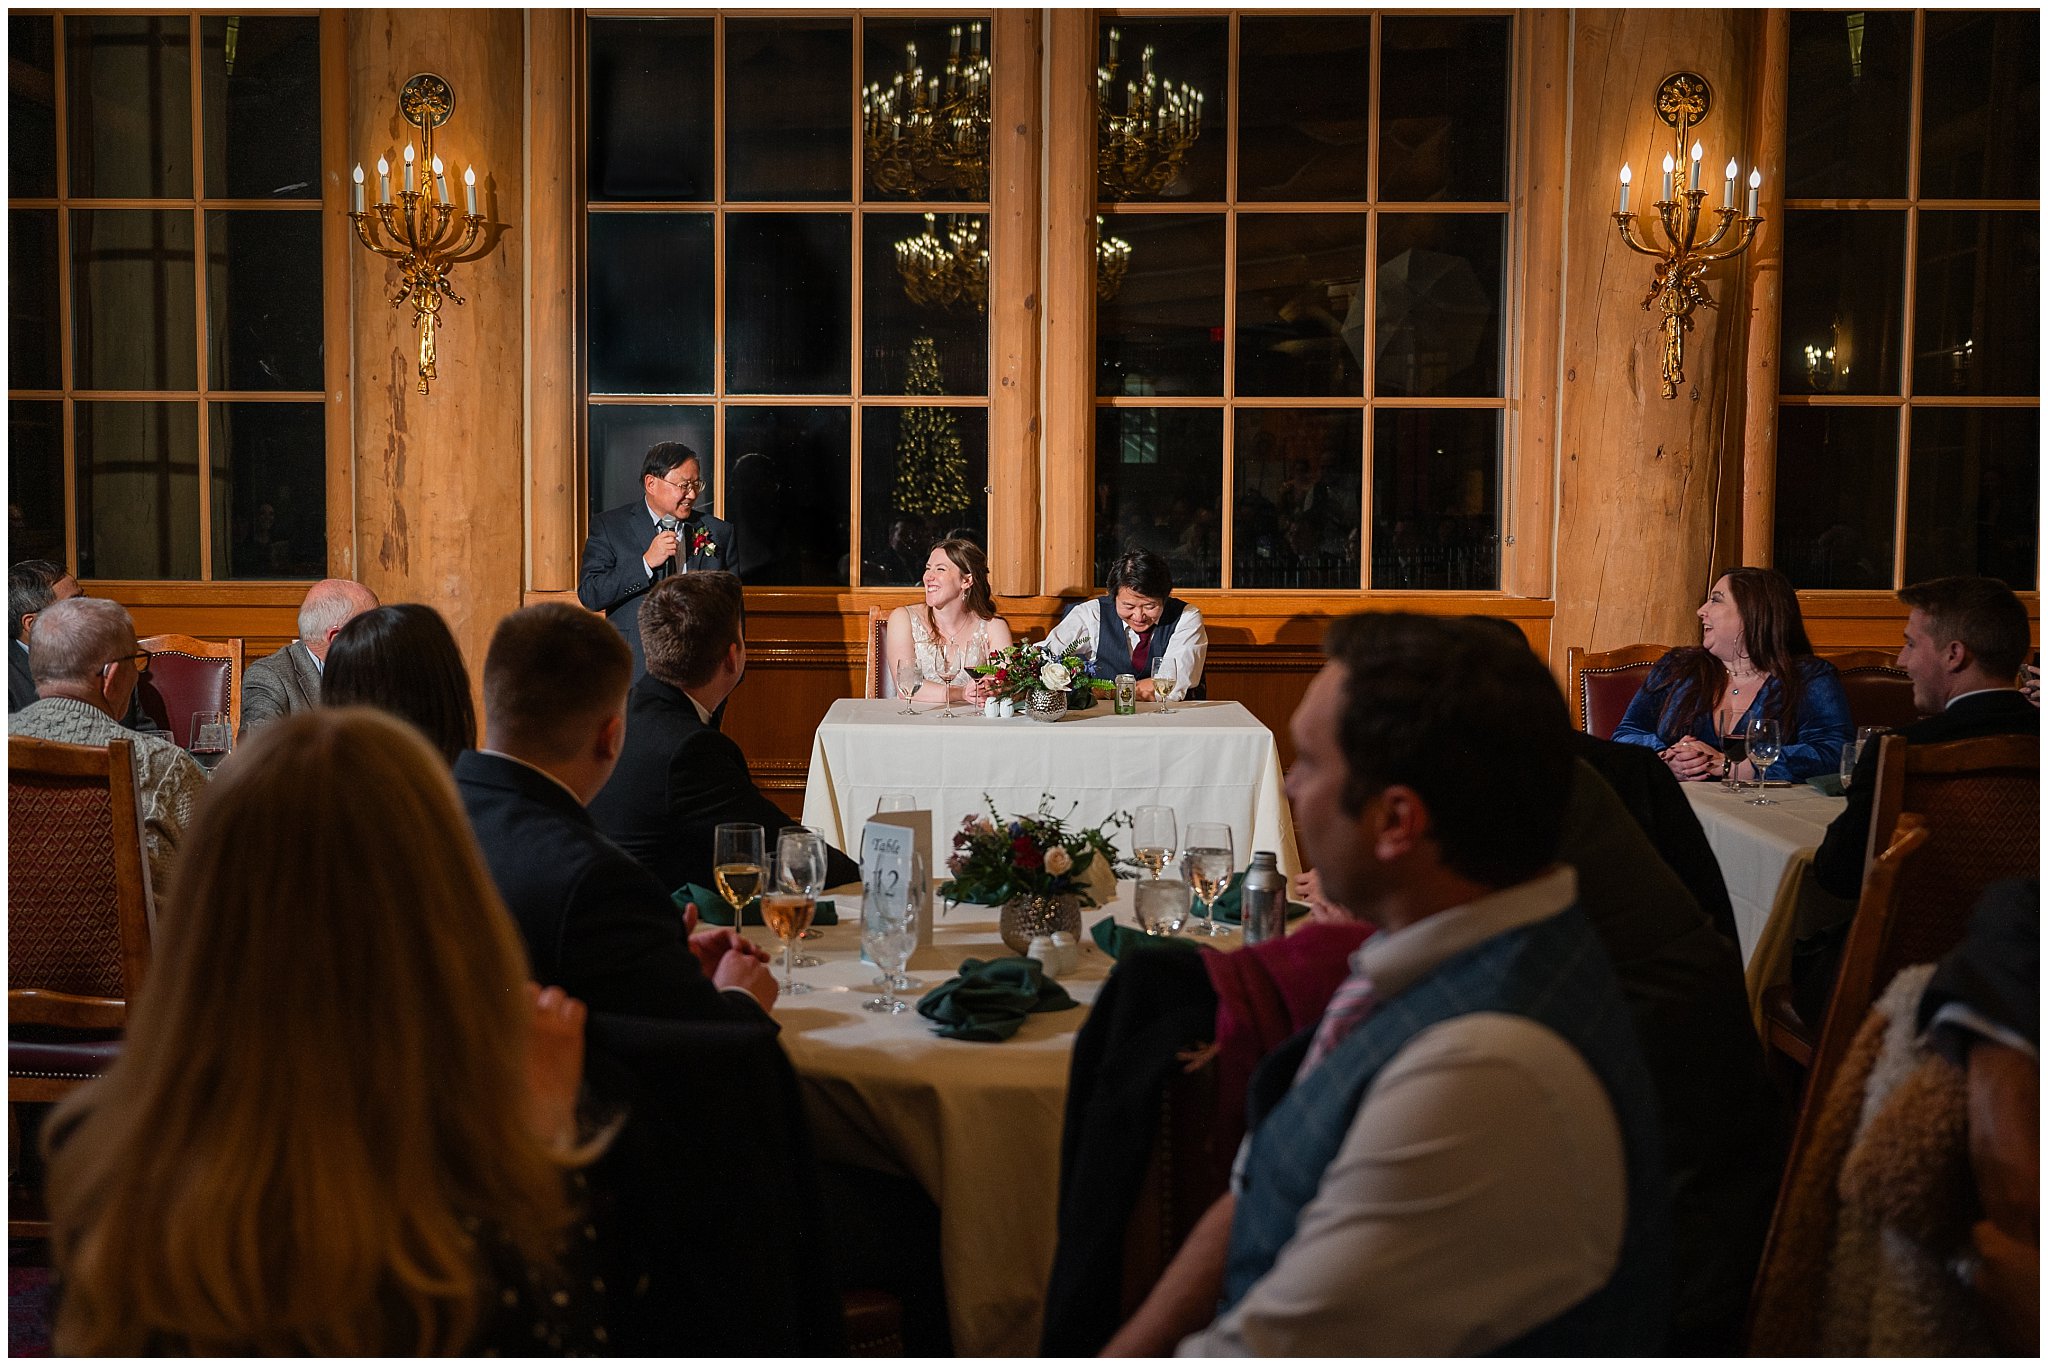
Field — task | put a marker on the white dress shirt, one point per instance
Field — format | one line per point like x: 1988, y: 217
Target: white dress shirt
x: 1480, y: 1191
x: 1188, y: 650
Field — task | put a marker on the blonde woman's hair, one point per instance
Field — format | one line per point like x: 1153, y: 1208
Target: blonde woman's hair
x: 318, y: 1118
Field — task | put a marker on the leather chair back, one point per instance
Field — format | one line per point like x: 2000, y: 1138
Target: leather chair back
x: 187, y: 675
x: 1879, y: 692
x: 1601, y: 683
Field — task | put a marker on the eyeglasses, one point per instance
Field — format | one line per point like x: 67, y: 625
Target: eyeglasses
x: 140, y: 659
x: 689, y: 486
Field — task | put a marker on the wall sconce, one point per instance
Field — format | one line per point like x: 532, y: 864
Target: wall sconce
x: 1682, y: 101
x: 421, y: 232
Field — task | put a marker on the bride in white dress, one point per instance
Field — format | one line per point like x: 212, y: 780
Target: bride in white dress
x: 955, y: 629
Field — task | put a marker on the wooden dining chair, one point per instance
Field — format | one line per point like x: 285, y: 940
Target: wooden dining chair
x: 875, y: 677
x: 78, y: 920
x: 1879, y: 692
x: 188, y: 675
x: 1601, y: 683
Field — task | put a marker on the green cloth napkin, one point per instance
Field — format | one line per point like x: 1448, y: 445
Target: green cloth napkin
x: 1116, y: 940
x: 712, y: 910
x: 1827, y: 784
x: 988, y: 1001
x: 1229, y: 906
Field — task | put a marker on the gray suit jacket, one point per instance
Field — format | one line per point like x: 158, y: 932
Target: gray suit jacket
x: 278, y: 685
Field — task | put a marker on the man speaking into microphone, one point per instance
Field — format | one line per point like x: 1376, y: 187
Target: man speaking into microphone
x: 634, y: 547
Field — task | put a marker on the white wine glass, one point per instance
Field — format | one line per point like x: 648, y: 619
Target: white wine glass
x: 908, y: 678
x: 800, y: 862
x: 1765, y: 746
x: 1164, y: 685
x: 1154, y: 837
x: 1207, y: 860
x: 787, y: 908
x: 737, y: 859
x: 949, y: 666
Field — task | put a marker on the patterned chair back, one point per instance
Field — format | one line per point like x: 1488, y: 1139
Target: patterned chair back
x: 187, y: 675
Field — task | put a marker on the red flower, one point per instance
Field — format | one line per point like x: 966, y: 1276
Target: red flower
x: 1025, y: 852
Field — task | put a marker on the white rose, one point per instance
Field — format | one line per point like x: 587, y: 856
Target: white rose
x: 1056, y: 677
x: 1058, y: 861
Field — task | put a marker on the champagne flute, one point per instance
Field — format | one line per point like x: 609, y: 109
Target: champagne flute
x: 1207, y: 862
x: 908, y: 676
x: 800, y: 862
x: 737, y: 861
x: 1164, y: 684
x: 787, y: 908
x: 1765, y: 745
x: 1731, y: 726
x: 1154, y: 837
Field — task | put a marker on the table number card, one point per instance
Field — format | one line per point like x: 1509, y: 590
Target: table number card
x: 919, y: 823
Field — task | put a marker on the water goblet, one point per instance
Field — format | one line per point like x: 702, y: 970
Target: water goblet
x: 896, y: 801
x: 1154, y: 837
x: 908, y: 677
x: 1765, y: 745
x: 1207, y: 862
x: 1161, y: 905
x: 920, y: 905
x: 786, y: 909
x: 1164, y: 684
x: 737, y: 860
x: 887, y: 934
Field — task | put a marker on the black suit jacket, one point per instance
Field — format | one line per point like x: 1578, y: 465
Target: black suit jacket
x: 1838, y: 863
x: 1653, y: 797
x: 678, y: 780
x: 21, y: 684
x: 614, y: 579
x: 595, y: 924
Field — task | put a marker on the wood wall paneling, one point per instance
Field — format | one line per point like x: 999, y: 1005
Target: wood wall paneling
x: 1643, y: 477
x: 440, y: 477
x: 553, y: 168
x: 1015, y: 147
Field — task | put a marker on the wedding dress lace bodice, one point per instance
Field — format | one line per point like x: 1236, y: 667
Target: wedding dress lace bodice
x: 931, y: 662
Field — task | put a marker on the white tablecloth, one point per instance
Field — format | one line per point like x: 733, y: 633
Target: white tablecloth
x: 1755, y: 844
x: 976, y: 1124
x: 1209, y: 761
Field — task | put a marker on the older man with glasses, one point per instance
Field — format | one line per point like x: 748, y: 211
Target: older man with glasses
x: 86, y: 664
x: 634, y: 547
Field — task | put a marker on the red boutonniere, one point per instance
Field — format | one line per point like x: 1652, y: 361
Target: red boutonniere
x: 701, y: 542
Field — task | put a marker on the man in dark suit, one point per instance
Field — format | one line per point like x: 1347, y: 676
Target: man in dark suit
x: 680, y: 778
x: 1646, y: 787
x: 1964, y: 643
x: 33, y: 585
x: 594, y: 922
x: 634, y: 547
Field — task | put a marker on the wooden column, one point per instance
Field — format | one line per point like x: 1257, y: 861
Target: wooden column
x: 1069, y: 302
x: 553, y: 166
x: 440, y: 477
x: 1543, y: 74
x: 1766, y: 275
x: 1014, y: 148
x: 1642, y: 476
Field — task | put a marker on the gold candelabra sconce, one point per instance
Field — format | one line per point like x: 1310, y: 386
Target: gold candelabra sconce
x: 927, y: 134
x: 1683, y: 100
x: 948, y: 269
x: 421, y: 231
x: 1141, y: 150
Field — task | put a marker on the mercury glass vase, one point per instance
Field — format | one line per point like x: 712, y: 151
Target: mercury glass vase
x: 1024, y: 918
x: 1047, y: 705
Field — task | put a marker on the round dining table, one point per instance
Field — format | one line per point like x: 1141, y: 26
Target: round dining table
x: 976, y: 1124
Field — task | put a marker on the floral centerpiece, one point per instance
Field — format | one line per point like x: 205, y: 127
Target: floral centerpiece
x: 1019, y: 670
x: 1036, y: 867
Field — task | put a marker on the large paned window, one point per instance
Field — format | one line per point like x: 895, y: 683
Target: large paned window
x: 1299, y: 376
x: 1909, y: 420
x: 744, y: 296
x: 165, y: 319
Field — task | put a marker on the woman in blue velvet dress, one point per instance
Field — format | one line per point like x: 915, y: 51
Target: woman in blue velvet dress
x: 1753, y: 659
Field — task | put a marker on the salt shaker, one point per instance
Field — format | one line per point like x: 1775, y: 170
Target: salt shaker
x: 1263, y: 899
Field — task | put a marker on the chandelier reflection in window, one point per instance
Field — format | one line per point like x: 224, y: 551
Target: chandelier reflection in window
x: 947, y: 268
x: 925, y: 134
x: 1141, y: 150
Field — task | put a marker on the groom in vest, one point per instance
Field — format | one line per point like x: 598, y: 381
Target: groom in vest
x: 1462, y: 1155
x: 634, y: 547
x: 1134, y: 623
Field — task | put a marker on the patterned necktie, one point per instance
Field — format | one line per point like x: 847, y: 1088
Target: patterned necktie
x: 1141, y: 658
x: 1349, y: 1005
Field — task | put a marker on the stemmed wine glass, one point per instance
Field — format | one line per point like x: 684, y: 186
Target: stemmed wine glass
x: 1765, y: 745
x: 1207, y: 862
x: 888, y: 932
x: 787, y: 908
x: 920, y: 898
x: 211, y: 738
x: 1154, y: 837
x: 800, y: 867
x: 949, y: 665
x: 1731, y: 725
x: 908, y: 677
x: 737, y: 862
x: 1164, y: 684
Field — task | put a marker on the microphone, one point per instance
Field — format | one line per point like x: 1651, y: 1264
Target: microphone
x: 671, y: 524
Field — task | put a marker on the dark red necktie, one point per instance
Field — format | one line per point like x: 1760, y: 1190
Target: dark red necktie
x: 1141, y: 658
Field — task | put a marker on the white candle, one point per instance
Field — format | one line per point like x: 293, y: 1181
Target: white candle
x: 1626, y: 176
x: 1728, y: 187
x: 1669, y: 164
x: 469, y: 189
x: 953, y: 49
x: 440, y: 182
x: 1113, y: 36
x: 1756, y: 178
x: 408, y: 167
x: 1698, y: 152
x: 359, y: 187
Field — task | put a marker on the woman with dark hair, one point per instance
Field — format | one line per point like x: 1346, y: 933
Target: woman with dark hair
x: 1753, y: 661
x: 402, y: 659
x: 956, y: 627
